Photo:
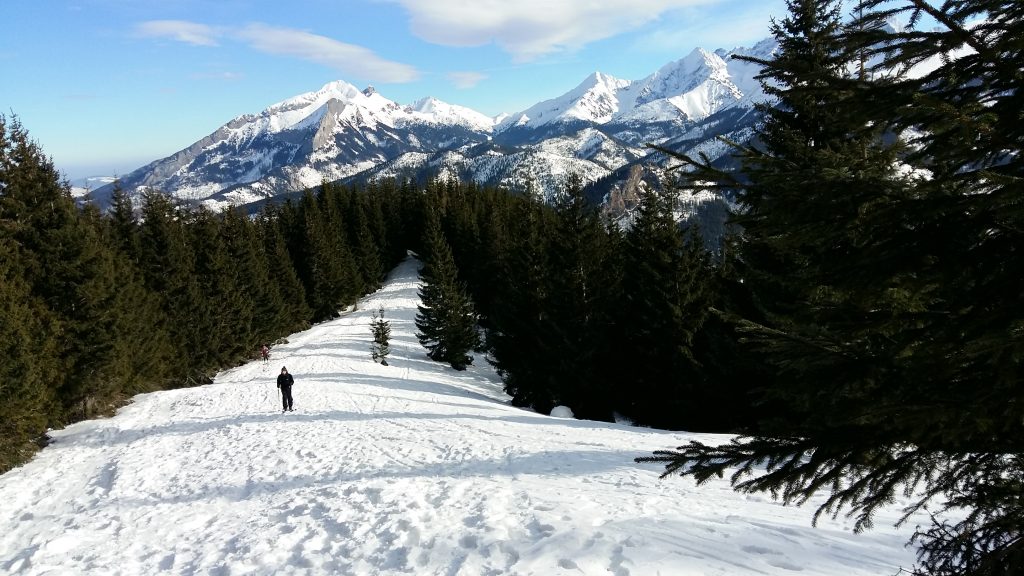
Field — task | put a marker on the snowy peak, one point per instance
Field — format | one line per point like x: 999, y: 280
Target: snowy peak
x: 743, y: 74
x: 426, y: 105
x: 598, y: 98
x: 301, y: 112
x: 685, y: 74
x: 367, y: 108
x: 367, y: 103
x: 763, y: 50
x: 689, y: 89
x: 593, y: 100
x: 434, y: 111
x: 337, y: 90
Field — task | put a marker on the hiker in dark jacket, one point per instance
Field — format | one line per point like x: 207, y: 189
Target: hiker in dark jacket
x: 284, y: 382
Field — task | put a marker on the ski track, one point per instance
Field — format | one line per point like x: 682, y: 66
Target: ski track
x: 411, y: 468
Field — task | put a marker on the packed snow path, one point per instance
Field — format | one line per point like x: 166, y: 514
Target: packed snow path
x: 411, y: 468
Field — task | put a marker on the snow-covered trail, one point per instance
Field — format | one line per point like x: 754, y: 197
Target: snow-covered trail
x: 411, y: 468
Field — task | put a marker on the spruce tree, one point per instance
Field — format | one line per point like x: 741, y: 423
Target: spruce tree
x: 140, y: 352
x: 389, y: 212
x: 446, y: 321
x: 582, y: 299
x: 365, y: 246
x: 891, y: 301
x: 664, y: 304
x: 167, y: 259
x: 520, y: 338
x: 29, y: 371
x: 287, y: 298
x: 731, y: 374
x: 964, y: 357
x: 70, y: 269
x: 225, y: 311
x: 29, y: 333
x: 80, y: 318
x: 259, y: 298
x: 494, y: 248
x: 123, y: 222
x: 328, y: 269
x: 381, y: 331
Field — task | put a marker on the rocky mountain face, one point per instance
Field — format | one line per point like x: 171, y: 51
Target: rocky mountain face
x: 598, y: 130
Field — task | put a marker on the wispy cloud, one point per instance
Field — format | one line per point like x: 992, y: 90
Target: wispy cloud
x: 529, y: 29
x: 742, y: 28
x: 180, y: 30
x: 464, y: 80
x: 349, y: 59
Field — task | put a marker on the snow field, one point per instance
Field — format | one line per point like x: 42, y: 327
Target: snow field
x: 411, y: 468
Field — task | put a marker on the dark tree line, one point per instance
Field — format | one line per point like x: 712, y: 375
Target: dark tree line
x: 576, y: 312
x: 153, y: 295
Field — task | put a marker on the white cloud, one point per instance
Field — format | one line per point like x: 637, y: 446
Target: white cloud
x: 180, y: 30
x: 346, y: 58
x: 466, y: 79
x: 528, y: 29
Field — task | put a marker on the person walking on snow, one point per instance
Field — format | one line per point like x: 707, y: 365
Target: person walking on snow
x: 265, y: 351
x: 284, y: 382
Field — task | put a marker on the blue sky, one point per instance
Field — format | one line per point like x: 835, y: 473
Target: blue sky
x: 106, y: 86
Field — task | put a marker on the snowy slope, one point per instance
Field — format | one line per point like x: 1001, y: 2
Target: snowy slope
x: 411, y: 468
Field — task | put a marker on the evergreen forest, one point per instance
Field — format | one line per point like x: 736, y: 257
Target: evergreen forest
x: 861, y: 329
x: 152, y: 294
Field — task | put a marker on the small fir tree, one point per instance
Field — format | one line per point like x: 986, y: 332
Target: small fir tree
x: 446, y: 319
x: 381, y: 330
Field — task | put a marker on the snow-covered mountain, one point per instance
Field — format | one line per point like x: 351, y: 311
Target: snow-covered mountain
x: 332, y: 133
x: 340, y: 132
x: 687, y: 90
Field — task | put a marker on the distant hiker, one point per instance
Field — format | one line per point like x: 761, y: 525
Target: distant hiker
x: 284, y: 382
x: 265, y: 352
